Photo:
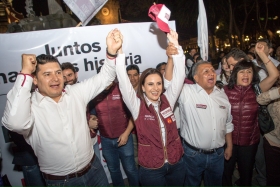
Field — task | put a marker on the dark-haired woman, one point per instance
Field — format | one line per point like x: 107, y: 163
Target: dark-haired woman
x: 159, y: 147
x: 244, y: 110
x: 225, y: 72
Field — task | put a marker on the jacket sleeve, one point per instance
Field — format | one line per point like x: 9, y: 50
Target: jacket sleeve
x: 17, y: 115
x: 266, y: 97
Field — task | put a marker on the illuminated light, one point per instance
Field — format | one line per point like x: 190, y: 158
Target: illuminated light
x: 217, y: 27
x: 247, y: 38
x: 275, y: 18
x: 260, y: 37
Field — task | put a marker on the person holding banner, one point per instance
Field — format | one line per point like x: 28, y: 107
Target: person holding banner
x: 53, y: 120
x: 159, y: 147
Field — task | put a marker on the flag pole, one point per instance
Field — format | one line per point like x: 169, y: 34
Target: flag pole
x: 79, y: 24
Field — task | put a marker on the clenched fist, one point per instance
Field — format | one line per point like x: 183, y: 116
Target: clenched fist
x: 114, y: 41
x: 28, y: 63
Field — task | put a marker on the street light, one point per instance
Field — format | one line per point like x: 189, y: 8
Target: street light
x: 227, y: 45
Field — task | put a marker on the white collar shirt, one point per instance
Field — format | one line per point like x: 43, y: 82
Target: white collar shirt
x: 58, y: 132
x: 205, y: 118
x: 156, y: 107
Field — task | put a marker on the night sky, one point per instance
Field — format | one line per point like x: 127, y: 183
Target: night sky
x: 185, y: 31
x: 39, y: 6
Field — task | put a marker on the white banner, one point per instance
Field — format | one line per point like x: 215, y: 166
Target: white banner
x: 85, y: 9
x: 144, y: 44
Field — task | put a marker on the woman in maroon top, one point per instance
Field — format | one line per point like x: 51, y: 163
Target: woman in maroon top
x: 159, y: 147
x: 244, y: 110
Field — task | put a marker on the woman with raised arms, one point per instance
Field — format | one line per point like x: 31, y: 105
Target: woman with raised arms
x: 159, y: 147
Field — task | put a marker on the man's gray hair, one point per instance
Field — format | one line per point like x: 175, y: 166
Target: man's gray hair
x: 195, y: 67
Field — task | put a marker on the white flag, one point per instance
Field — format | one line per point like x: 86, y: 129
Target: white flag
x: 85, y: 9
x: 202, y: 29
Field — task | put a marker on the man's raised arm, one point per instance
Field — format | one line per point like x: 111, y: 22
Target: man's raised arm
x: 95, y: 85
x: 17, y: 114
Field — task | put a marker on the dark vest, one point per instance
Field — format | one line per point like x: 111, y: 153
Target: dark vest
x: 112, y: 113
x: 151, y: 150
x: 244, y: 111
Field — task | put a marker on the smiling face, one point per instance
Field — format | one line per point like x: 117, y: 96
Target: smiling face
x: 206, y: 77
x: 49, y: 80
x: 152, y: 87
x: 69, y: 77
x: 244, y: 77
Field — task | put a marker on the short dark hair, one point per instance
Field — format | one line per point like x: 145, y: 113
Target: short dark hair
x: 160, y: 64
x: 44, y: 59
x: 243, y: 64
x: 267, y: 41
x: 142, y: 79
x: 68, y: 65
x: 133, y: 67
x: 195, y: 67
x: 237, y: 54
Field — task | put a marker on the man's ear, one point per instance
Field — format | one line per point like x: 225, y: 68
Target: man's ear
x: 35, y: 80
x: 76, y: 75
x: 195, y: 77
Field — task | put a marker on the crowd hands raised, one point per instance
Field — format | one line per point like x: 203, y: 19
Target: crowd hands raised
x: 174, y: 125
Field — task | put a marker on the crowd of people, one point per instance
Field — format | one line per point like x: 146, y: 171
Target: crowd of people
x: 178, y: 124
